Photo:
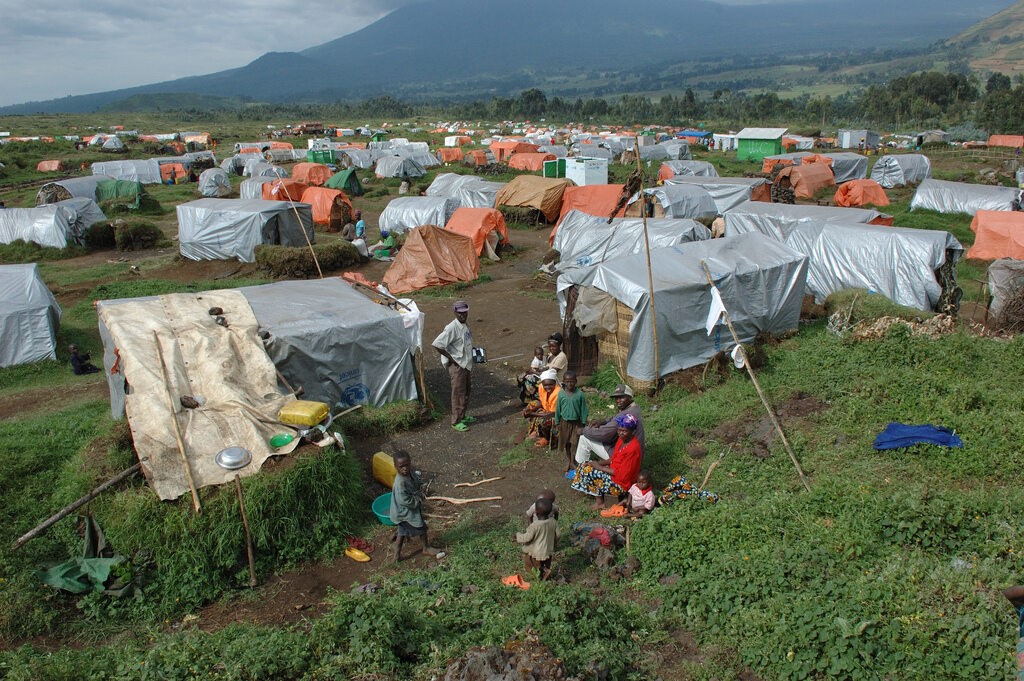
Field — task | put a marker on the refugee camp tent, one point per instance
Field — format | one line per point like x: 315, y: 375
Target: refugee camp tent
x: 797, y: 142
x: 998, y: 234
x: 898, y: 170
x: 53, y: 166
x: 469, y: 190
x: 761, y: 283
x: 221, y: 229
x: 753, y: 144
x: 540, y: 193
x: 806, y: 179
x: 853, y: 139
x: 777, y: 220
x: 898, y: 262
x: 592, y: 199
x: 768, y: 163
x: 29, y: 316
x: 856, y: 193
x: 1012, y: 141
x: 728, y: 192
x: 504, y: 149
x: 478, y: 157
x: 432, y: 256
x: 253, y: 187
x: 592, y: 151
x: 583, y: 240
x: 214, y: 183
x: 355, y: 158
x: 72, y: 187
x: 406, y: 212
x: 283, y: 189
x: 675, y: 201
x: 83, y: 214
x: 347, y: 181
x: 960, y: 197
x: 848, y: 166
x: 48, y: 225
x: 421, y: 156
x: 279, y: 155
x: 485, y: 226
x: 529, y: 161
x: 146, y: 171
x: 696, y: 168
x: 127, y: 193
x: 725, y: 142
x: 1005, y: 284
x: 236, y: 164
x: 559, y: 150
x: 330, y: 207
x: 932, y: 137
x: 257, y: 167
x: 398, y: 166
x: 313, y: 174
x: 112, y: 144
x: 448, y: 155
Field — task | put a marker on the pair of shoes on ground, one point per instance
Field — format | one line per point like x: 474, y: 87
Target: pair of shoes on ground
x: 616, y: 511
x: 541, y: 442
x: 516, y: 581
x: 463, y: 425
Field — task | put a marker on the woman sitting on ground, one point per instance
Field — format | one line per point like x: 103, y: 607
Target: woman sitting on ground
x: 556, y: 359
x: 618, y: 474
x: 541, y: 411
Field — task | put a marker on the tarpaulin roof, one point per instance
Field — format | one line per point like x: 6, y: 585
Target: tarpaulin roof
x: 449, y: 154
x: 897, y: 170
x: 256, y: 167
x: 793, y: 159
x: 49, y: 225
x: 1006, y: 141
x: 728, y: 192
x: 469, y: 190
x: 253, y: 187
x: 761, y: 133
x: 998, y: 234
x: 326, y: 203
x: 84, y: 214
x: 214, y: 183
x: 593, y: 199
x: 777, y: 220
x: 50, y: 166
x: 960, y: 197
x: 584, y: 240
x: 807, y: 179
x: 677, y: 201
x: 761, y: 283
x: 1005, y: 283
x: 398, y: 166
x: 898, y: 262
x: 848, y: 166
x: 220, y: 229
x: 405, y: 212
x: 698, y: 168
x: 146, y: 171
x: 529, y: 161
x: 860, y: 193
x: 542, y: 193
x: 346, y: 180
x: 315, y: 174
x: 29, y: 316
x: 283, y: 189
x: 432, y: 256
x: 85, y: 186
x: 477, y: 224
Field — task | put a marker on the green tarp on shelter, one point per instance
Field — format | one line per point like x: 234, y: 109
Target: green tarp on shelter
x: 347, y: 181
x: 127, y: 193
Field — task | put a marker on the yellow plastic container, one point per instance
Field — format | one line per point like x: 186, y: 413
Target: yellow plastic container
x: 303, y: 413
x: 383, y: 469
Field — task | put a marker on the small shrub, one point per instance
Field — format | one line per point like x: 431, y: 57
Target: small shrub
x: 19, y: 251
x: 137, y: 236
x: 100, y: 236
x: 297, y: 262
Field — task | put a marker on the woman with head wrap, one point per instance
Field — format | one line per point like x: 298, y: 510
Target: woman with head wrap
x: 541, y: 411
x: 615, y: 476
x: 556, y: 359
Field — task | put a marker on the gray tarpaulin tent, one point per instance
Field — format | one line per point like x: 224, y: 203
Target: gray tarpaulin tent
x: 678, y: 201
x: 146, y: 171
x: 848, y: 166
x: 257, y: 167
x: 84, y: 214
x: 962, y: 197
x: 584, y: 240
x: 559, y: 150
x: 253, y: 187
x: 592, y: 151
x: 214, y: 183
x: 49, y: 225
x: 898, y: 262
x: 359, y: 158
x: 422, y: 156
x: 1005, y: 282
x: 728, y: 192
x: 29, y: 316
x: 761, y: 282
x: 398, y: 166
x: 221, y: 229
x: 236, y: 164
x: 73, y: 187
x: 469, y: 190
x: 406, y: 212
x: 777, y: 220
x: 897, y: 170
x: 696, y: 168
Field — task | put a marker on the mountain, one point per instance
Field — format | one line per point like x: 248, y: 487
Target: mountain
x: 467, y: 48
x: 996, y: 43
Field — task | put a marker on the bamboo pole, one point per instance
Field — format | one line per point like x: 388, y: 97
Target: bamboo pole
x: 459, y: 502
x: 177, y: 431
x: 309, y: 243
x: 72, y: 507
x: 478, y: 482
x: 650, y: 273
x: 757, y: 386
x: 248, y: 537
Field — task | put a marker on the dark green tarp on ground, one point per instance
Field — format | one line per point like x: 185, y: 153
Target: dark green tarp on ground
x: 347, y: 181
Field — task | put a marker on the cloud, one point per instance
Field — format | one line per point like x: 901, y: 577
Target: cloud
x: 53, y: 48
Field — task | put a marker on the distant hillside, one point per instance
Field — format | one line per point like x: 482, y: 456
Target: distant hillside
x: 995, y: 44
x: 467, y: 48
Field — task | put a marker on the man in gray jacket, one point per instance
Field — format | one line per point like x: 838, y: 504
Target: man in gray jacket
x: 598, y: 437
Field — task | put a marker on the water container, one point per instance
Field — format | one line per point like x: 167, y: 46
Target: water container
x: 1020, y: 178
x: 383, y: 469
x: 303, y: 413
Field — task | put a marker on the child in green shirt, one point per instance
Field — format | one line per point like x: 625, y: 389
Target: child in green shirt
x: 570, y: 417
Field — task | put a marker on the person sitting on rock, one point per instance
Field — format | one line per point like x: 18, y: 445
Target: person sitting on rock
x: 80, y: 362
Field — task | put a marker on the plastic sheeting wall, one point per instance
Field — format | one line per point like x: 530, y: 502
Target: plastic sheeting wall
x: 777, y: 220
x: 146, y: 171
x: 406, y: 212
x: 727, y: 192
x: 962, y: 197
x: 221, y: 229
x: 469, y: 190
x: 49, y: 225
x: 29, y: 316
x: 897, y: 170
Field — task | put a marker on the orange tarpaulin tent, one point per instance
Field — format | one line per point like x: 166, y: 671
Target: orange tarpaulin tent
x: 530, y: 191
x: 50, y: 166
x: 504, y: 149
x: 477, y: 223
x: 592, y: 199
x: 328, y: 206
x: 314, y: 174
x: 998, y: 234
x: 529, y: 160
x: 768, y: 165
x: 449, y: 154
x: 432, y: 256
x: 478, y: 156
x: 860, y: 193
x: 283, y: 189
x: 806, y: 179
x: 178, y: 170
x: 281, y: 145
x: 1016, y: 141
x: 816, y: 158
x: 250, y: 150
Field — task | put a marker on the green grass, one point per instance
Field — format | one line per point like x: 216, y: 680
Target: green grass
x: 450, y: 290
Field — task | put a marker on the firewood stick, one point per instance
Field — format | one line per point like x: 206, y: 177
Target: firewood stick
x: 478, y: 482
x: 248, y: 537
x: 459, y: 502
x: 174, y: 422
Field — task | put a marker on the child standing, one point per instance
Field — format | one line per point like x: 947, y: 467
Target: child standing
x: 539, y: 540
x: 549, y: 496
x: 570, y: 417
x: 639, y: 499
x: 407, y: 505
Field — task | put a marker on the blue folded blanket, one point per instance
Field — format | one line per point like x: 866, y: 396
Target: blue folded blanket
x: 897, y: 435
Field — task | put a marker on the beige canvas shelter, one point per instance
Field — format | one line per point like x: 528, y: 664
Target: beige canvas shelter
x: 530, y: 191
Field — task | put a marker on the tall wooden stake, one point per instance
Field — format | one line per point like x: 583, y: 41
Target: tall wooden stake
x: 248, y: 537
x: 757, y: 386
x: 174, y: 422
x: 650, y: 272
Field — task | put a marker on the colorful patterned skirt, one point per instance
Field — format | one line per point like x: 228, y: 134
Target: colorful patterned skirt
x: 680, y: 488
x: 594, y: 482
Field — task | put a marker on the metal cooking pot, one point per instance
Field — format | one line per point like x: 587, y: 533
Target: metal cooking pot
x: 233, y: 458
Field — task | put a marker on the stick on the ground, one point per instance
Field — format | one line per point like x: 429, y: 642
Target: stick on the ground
x: 478, y: 482
x: 459, y: 502
x: 72, y: 507
x: 174, y: 422
x: 248, y: 537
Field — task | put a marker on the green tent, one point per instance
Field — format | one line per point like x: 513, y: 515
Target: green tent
x: 347, y: 181
x: 124, y: 194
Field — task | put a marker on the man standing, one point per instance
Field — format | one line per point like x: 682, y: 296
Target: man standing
x: 598, y: 438
x: 455, y: 345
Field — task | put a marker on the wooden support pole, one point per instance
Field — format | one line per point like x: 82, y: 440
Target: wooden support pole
x: 248, y: 537
x: 650, y: 272
x: 177, y: 431
x: 757, y: 386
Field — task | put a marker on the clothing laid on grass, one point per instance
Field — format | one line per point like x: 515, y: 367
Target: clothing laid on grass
x: 680, y: 488
x: 539, y: 538
x: 897, y: 435
x: 625, y: 465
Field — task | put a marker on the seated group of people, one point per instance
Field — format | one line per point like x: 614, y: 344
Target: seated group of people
x: 356, y: 235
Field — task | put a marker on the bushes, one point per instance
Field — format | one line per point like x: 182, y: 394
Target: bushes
x: 100, y: 236
x: 297, y: 263
x: 137, y: 236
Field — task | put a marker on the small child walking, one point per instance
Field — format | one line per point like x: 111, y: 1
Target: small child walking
x: 549, y: 495
x: 539, y: 539
x: 407, y: 506
x: 570, y: 417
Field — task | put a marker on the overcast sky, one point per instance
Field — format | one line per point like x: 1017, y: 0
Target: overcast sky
x: 55, y: 48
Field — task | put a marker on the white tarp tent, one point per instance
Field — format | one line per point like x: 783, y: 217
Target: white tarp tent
x: 592, y: 151
x: 73, y: 187
x: 253, y: 187
x: 29, y: 316
x: 962, y: 197
x: 680, y: 201
x: 469, y: 190
x: 398, y: 166
x: 583, y: 240
x: 848, y: 166
x: 898, y: 262
x: 84, y: 213
x: 725, y: 142
x: 727, y: 192
x: 49, y: 225
x: 693, y: 168
x: 406, y: 212
x: 214, y: 183
x: 897, y: 170
x: 257, y: 167
x: 761, y: 283
x: 146, y: 171
x: 360, y: 158
x: 221, y: 229
x: 777, y: 220
x: 852, y: 139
